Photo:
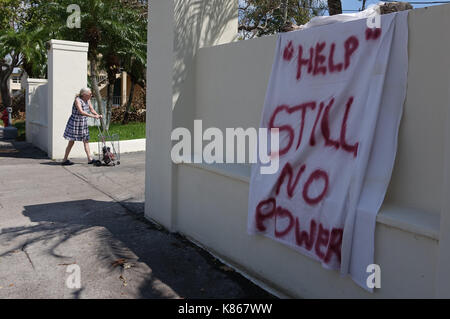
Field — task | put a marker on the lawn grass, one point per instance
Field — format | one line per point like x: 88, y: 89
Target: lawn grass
x: 20, y: 125
x: 130, y: 131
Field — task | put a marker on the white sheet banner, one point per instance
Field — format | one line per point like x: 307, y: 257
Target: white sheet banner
x: 336, y: 95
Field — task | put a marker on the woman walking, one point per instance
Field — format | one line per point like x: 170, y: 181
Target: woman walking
x: 77, y: 127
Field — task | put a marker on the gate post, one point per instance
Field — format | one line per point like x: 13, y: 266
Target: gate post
x: 67, y: 74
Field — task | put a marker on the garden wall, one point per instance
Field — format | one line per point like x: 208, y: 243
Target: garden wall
x: 208, y: 203
x: 36, y: 110
x: 49, y: 102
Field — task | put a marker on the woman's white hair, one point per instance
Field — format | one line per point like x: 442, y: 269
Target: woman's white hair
x: 84, y: 91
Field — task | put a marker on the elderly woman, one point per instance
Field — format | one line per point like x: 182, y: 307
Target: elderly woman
x: 77, y: 127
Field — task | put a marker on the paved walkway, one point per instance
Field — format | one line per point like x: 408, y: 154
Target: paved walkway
x: 52, y: 217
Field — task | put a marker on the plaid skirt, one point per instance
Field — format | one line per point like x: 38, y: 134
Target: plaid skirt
x: 77, y: 128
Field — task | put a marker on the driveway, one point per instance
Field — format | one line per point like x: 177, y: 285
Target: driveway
x: 56, y: 221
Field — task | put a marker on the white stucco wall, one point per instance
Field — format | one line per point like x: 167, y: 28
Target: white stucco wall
x: 212, y: 211
x: 177, y: 30
x: 36, y: 101
x: 209, y: 203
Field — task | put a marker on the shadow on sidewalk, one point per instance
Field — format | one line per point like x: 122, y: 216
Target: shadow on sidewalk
x: 16, y: 149
x: 123, y: 232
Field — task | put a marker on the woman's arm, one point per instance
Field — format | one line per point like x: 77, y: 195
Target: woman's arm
x: 92, y: 109
x: 80, y: 109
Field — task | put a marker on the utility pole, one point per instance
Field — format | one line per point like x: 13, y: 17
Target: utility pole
x: 363, y: 5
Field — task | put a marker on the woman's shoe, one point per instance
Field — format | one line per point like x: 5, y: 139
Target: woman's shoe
x: 92, y: 161
x: 66, y: 163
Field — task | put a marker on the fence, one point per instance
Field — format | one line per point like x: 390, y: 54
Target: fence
x: 208, y: 203
x: 117, y: 101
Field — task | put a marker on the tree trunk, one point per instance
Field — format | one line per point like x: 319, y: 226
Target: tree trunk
x: 4, y: 77
x: 6, y: 98
x: 334, y: 7
x: 95, y: 89
x: 285, y: 6
x: 129, y: 102
x: 109, y: 103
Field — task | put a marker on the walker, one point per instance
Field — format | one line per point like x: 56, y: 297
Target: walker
x: 108, y: 147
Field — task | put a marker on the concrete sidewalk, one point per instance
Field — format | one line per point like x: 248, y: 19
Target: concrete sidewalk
x: 53, y: 216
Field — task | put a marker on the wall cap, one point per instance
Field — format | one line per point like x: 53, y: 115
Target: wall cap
x: 421, y: 223
x: 417, y: 222
x: 64, y: 45
x: 31, y: 81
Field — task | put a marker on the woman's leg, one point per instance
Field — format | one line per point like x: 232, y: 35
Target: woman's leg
x: 68, y: 149
x: 87, y: 150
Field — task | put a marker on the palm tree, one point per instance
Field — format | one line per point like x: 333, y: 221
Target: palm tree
x: 20, y: 49
x: 113, y: 28
x: 125, y: 49
x: 20, y: 45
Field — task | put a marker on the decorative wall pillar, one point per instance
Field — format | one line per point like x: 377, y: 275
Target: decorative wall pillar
x: 67, y: 74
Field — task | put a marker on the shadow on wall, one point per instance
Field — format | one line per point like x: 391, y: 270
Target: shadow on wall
x: 210, y: 22
x: 38, y: 105
x: 96, y: 234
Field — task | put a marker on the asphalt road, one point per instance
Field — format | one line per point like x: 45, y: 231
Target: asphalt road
x: 57, y: 222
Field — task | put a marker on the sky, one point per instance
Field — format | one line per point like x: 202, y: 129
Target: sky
x: 355, y: 4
